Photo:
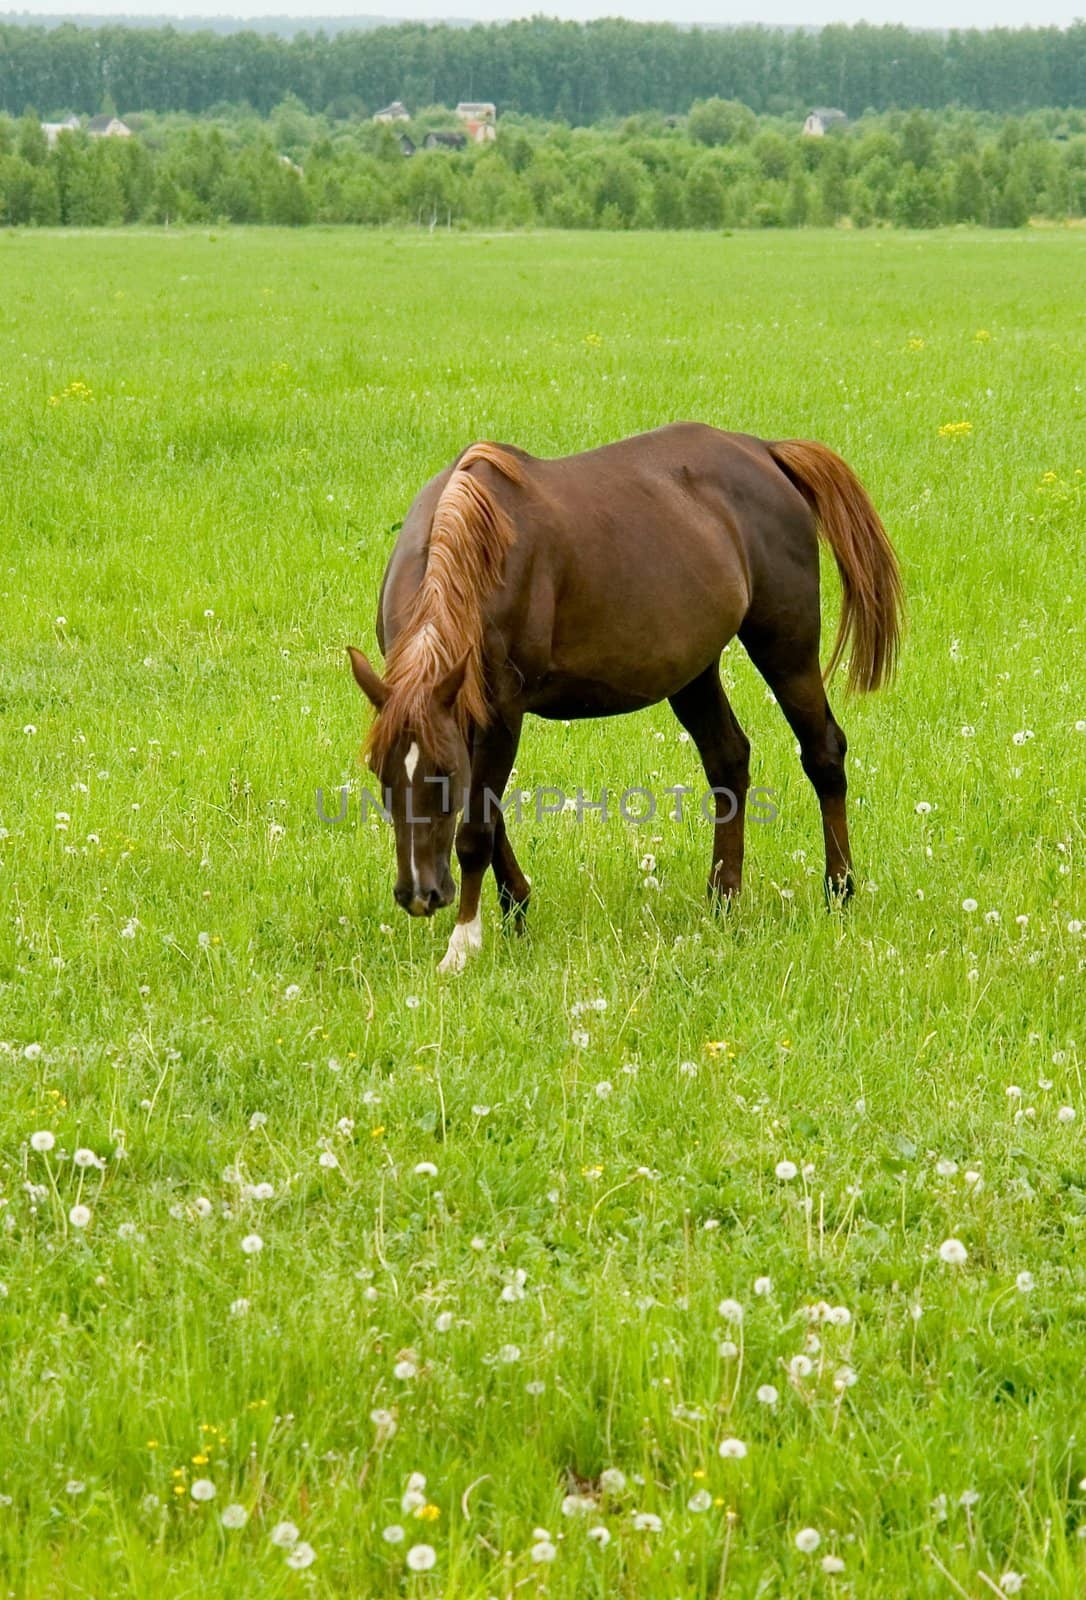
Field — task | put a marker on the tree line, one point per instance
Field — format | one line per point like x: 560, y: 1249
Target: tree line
x: 560, y: 71
x: 721, y: 166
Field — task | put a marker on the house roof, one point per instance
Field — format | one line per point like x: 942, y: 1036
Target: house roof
x: 104, y: 121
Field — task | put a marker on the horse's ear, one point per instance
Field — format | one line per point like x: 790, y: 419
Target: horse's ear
x: 446, y: 691
x: 371, y: 683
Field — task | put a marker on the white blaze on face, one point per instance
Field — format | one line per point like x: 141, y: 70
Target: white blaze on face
x: 467, y: 937
x: 410, y: 762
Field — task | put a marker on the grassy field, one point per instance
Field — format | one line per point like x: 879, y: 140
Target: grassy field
x: 341, y: 1220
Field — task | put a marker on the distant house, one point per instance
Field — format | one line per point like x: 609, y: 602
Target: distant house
x: 292, y: 166
x: 53, y: 130
x: 396, y: 112
x: 480, y: 117
x: 407, y: 145
x: 444, y: 141
x: 108, y: 126
x: 822, y: 119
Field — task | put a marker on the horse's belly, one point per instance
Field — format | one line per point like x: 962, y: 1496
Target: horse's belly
x: 566, y: 698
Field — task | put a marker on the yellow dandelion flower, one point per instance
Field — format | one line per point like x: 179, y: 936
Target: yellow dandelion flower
x: 915, y: 344
x: 375, y: 1133
x: 593, y: 340
x: 955, y: 430
x: 698, y: 1472
x: 982, y: 336
x: 428, y: 1513
x: 200, y: 1460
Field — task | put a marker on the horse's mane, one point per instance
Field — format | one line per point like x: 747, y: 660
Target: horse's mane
x: 469, y: 537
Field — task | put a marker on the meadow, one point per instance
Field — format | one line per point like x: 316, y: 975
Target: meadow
x: 658, y: 1254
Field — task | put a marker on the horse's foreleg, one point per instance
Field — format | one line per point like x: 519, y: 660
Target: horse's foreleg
x: 514, y: 890
x: 703, y: 709
x: 491, y: 763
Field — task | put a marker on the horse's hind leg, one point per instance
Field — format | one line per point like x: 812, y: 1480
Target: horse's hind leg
x: 514, y: 890
x: 793, y: 674
x: 703, y: 709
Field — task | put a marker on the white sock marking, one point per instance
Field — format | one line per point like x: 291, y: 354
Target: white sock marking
x: 466, y: 938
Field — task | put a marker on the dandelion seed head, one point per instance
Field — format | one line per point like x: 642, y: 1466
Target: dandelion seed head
x: 731, y: 1449
x: 421, y: 1557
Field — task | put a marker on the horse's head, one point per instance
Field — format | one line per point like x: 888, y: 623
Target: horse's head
x: 421, y: 762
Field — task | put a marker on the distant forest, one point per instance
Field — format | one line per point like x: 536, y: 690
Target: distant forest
x: 561, y: 71
x: 719, y: 167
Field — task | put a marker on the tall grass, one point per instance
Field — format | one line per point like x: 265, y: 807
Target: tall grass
x: 211, y: 990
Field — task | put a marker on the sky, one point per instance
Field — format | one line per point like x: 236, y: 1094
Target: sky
x: 914, y: 13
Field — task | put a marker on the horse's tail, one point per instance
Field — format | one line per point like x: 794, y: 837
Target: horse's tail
x: 872, y: 597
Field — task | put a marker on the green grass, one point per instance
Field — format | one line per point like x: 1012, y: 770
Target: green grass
x: 212, y: 526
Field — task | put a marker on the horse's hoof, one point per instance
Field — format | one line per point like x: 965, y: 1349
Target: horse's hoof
x: 513, y: 912
x: 839, y: 891
x: 466, y: 939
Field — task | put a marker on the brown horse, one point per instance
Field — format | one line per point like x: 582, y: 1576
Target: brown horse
x: 601, y: 583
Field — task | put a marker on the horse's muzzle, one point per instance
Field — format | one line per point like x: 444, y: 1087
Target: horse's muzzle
x: 422, y: 904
